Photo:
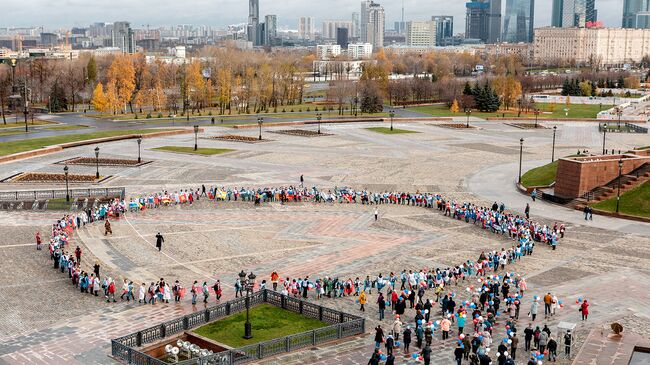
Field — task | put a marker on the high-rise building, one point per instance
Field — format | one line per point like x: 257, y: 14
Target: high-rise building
x: 122, y: 37
x: 271, y: 29
x: 359, y: 51
x: 483, y: 20
x: 373, y: 24
x: 518, y: 21
x: 342, y: 37
x: 355, y: 25
x: 573, y: 13
x: 444, y: 28
x: 330, y: 27
x: 253, y: 31
x: 421, y: 34
x: 307, y: 27
x: 636, y: 14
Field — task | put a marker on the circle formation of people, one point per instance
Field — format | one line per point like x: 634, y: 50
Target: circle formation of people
x: 497, y: 295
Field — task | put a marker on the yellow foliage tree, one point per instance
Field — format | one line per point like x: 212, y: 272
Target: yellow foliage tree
x: 112, y: 100
x: 99, y: 99
x: 454, y: 107
x: 121, y: 73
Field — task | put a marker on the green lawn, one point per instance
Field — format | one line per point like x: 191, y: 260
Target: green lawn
x: 199, y: 151
x: 12, y: 124
x: 7, y: 148
x: 386, y: 130
x: 645, y: 148
x: 65, y: 127
x: 634, y: 202
x: 575, y: 111
x: 268, y: 322
x: 540, y: 176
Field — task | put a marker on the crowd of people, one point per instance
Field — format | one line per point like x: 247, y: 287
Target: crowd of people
x: 498, y: 295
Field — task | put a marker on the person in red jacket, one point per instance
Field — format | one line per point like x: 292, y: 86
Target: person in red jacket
x: 584, y: 309
x: 111, y: 292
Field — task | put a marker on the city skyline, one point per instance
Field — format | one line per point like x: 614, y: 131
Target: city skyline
x: 198, y: 12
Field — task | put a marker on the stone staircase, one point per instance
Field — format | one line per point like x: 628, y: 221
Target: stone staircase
x: 629, y: 181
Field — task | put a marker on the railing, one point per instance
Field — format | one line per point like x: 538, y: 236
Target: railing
x: 61, y: 194
x: 341, y: 325
x: 636, y: 128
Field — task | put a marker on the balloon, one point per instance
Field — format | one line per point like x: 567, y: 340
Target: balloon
x: 505, y: 353
x: 383, y: 357
x: 397, y: 343
x: 419, y: 321
x: 498, y: 354
x: 509, y: 341
x: 539, y: 362
x: 462, y: 336
x: 426, y: 311
x: 414, y: 356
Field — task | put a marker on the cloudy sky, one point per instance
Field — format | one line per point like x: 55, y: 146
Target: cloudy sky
x: 65, y: 13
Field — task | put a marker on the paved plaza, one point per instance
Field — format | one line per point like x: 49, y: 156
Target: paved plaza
x: 43, y: 320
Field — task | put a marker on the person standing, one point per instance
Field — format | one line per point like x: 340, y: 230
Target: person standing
x: 513, y: 345
x: 567, y: 344
x: 533, y: 309
x: 194, y: 290
x: 39, y: 241
x: 445, y: 325
x: 407, y: 339
x: 379, y: 336
x: 426, y: 354
x: 206, y: 292
x: 528, y: 336
x: 381, y: 302
x: 302, y: 181
x: 217, y: 290
x: 376, y: 214
x: 77, y: 254
x: 362, y: 300
x: 548, y: 298
x: 107, y: 228
x: 543, y: 341
x: 159, y: 241
x: 458, y: 354
x: 552, y: 349
x: 274, y: 280
x: 584, y: 310
x: 527, y: 211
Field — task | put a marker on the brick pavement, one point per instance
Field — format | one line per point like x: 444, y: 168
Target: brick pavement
x: 298, y: 240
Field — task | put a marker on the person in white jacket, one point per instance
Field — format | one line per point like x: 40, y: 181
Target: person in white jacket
x: 141, y: 293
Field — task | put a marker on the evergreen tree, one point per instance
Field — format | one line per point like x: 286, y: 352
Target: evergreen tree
x: 58, y: 100
x: 621, y: 82
x: 91, y: 69
x: 565, y: 87
x: 468, y: 89
x: 493, y: 102
x: 476, y: 91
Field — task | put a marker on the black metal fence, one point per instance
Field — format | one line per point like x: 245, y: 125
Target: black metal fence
x: 26, y: 195
x: 341, y: 325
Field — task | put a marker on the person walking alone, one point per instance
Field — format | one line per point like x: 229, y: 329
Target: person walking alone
x: 159, y: 241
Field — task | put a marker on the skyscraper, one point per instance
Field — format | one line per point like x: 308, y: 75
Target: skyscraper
x: 330, y: 28
x: 373, y: 23
x: 270, y: 29
x: 483, y: 20
x: 253, y: 22
x: 307, y: 27
x: 122, y: 37
x: 354, y: 33
x: 518, y: 21
x: 444, y: 28
x: 636, y: 14
x: 573, y: 13
x: 342, y: 37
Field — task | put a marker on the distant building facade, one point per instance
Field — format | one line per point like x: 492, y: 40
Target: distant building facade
x: 122, y: 37
x: 518, y: 21
x: 444, y: 28
x: 573, y: 13
x: 483, y: 20
x: 421, y: 34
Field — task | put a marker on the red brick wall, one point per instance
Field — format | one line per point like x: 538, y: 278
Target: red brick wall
x: 578, y: 176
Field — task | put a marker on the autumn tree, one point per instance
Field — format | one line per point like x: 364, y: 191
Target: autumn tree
x: 508, y: 89
x: 99, y: 99
x: 454, y: 107
x: 121, y: 74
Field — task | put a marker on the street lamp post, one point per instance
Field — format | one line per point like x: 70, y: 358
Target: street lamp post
x: 97, y: 161
x: 25, y: 105
x: 468, y: 112
x: 67, y: 191
x: 392, y: 115
x: 139, y: 144
x: 260, y: 121
x: 536, y: 116
x: 553, y: 152
x: 604, y: 137
x: 618, y: 193
x: 619, y: 113
x: 521, y: 153
x: 318, y: 118
x: 249, y: 285
x: 196, y: 137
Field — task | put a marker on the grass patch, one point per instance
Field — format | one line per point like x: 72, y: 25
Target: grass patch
x: 540, y: 176
x: 386, y: 130
x: 645, y: 148
x: 575, y: 111
x: 635, y: 202
x: 199, y: 151
x: 268, y: 322
x: 7, y: 148
x: 66, y: 127
x: 22, y: 123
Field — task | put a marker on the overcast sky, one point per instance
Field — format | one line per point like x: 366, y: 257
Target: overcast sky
x: 65, y: 13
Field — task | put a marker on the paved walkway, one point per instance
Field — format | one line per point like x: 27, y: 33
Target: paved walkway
x: 497, y: 183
